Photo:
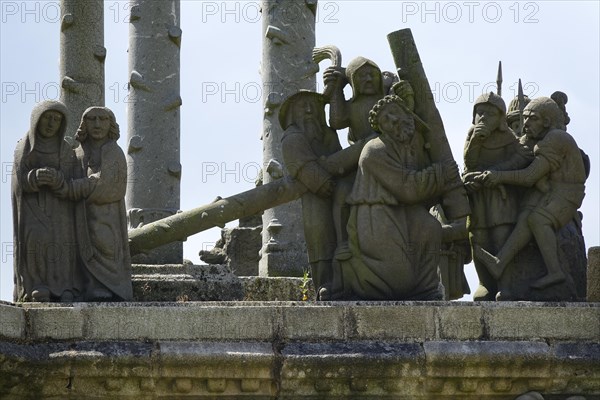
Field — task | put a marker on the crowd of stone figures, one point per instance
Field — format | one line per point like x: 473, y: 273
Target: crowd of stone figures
x: 380, y: 230
x: 375, y: 218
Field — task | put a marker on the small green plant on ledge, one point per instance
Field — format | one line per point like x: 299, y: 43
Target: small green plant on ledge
x: 304, y: 285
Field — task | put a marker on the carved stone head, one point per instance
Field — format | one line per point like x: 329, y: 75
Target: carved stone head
x: 48, y: 118
x: 300, y: 106
x: 365, y: 77
x: 541, y: 115
x: 96, y: 119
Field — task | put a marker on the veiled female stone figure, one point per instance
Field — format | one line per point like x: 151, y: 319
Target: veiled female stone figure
x: 101, y: 223
x: 44, y: 229
x: 394, y: 240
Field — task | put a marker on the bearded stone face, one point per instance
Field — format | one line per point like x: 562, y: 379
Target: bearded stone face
x: 396, y: 123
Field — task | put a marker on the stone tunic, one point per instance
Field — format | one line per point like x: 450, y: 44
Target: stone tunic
x: 301, y: 153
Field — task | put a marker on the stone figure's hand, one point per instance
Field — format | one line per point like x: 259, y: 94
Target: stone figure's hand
x: 57, y: 179
x: 490, y: 179
x: 334, y: 76
x: 45, y: 176
x: 326, y: 189
x: 480, y: 132
x: 471, y: 183
x: 404, y: 90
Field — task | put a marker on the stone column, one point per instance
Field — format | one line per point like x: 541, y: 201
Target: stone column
x: 153, y: 190
x: 287, y: 66
x: 82, y: 56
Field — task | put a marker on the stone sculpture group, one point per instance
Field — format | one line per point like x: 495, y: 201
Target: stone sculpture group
x: 70, y: 225
x: 388, y: 218
x: 371, y: 232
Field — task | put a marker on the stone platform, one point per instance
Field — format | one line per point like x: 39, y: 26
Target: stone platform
x: 189, y: 282
x: 299, y: 350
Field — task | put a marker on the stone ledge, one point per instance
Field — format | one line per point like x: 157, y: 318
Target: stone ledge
x: 307, y: 321
x: 12, y: 321
x: 295, y: 370
x: 299, y: 350
x: 190, y: 282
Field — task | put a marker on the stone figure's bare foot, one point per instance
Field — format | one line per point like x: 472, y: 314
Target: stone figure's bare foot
x: 491, y: 262
x: 548, y: 280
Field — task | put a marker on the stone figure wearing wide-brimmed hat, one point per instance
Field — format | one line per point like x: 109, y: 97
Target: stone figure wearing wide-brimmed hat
x: 306, y: 141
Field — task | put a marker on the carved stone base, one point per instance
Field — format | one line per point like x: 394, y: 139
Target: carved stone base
x: 283, y: 259
x: 288, y: 350
x: 188, y: 282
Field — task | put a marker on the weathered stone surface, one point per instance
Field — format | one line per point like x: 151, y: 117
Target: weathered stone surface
x: 185, y: 282
x: 238, y: 248
x: 277, y: 289
x: 460, y: 323
x: 286, y: 67
x: 593, y: 275
x: 269, y: 350
x: 397, y: 323
x: 408, y: 321
x: 57, y: 323
x: 532, y: 321
x: 153, y: 190
x: 314, y: 323
x: 13, y: 321
x: 332, y: 370
x: 188, y: 282
x: 82, y: 56
x: 179, y: 323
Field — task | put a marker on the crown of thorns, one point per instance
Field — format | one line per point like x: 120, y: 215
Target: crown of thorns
x: 380, y: 105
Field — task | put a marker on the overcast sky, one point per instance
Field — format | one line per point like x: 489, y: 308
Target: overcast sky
x: 550, y: 45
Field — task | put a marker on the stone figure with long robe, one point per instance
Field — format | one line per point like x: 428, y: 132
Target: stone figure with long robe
x: 44, y: 229
x: 394, y: 240
x: 102, y: 222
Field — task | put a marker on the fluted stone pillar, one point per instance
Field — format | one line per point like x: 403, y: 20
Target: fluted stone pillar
x: 288, y: 40
x: 82, y: 56
x: 153, y: 190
